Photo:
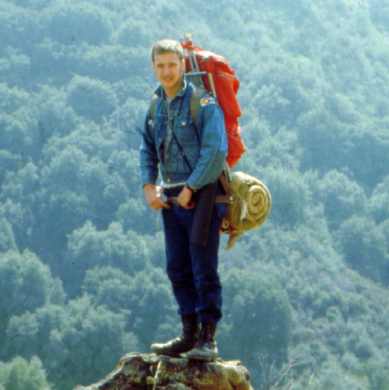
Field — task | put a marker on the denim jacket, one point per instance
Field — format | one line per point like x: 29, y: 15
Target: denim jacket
x: 204, y: 142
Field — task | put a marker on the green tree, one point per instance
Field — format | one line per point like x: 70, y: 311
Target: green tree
x: 20, y: 133
x: 7, y: 239
x: 89, y: 247
x: 74, y: 189
x: 90, y: 98
x: 26, y: 285
x: 20, y: 374
x: 258, y: 316
x: 20, y: 218
x: 364, y: 247
x: 145, y: 298
x: 133, y: 32
x: 12, y: 18
x: 290, y: 196
x: 341, y: 197
x: 85, y: 340
x: 55, y: 116
x: 378, y: 375
x: 379, y: 201
x: 11, y: 98
x: 9, y: 162
x: 71, y: 23
x: 115, y: 63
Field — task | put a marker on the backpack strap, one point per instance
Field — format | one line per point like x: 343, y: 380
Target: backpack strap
x: 197, y: 94
x: 153, y: 107
x: 227, y: 197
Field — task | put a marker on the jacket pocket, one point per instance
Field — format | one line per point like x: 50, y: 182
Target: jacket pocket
x: 186, y: 132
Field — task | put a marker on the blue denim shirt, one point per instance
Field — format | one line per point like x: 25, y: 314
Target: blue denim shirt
x: 204, y: 142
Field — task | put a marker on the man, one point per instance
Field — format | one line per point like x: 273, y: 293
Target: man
x: 189, y: 153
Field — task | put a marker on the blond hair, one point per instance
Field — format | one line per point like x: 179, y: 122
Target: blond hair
x: 167, y: 46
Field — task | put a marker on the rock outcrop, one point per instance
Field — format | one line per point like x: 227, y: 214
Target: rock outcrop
x: 151, y: 372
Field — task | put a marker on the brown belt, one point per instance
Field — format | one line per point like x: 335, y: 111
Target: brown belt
x: 219, y: 199
x: 227, y: 198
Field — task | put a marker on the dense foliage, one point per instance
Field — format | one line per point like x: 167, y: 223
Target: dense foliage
x: 81, y: 257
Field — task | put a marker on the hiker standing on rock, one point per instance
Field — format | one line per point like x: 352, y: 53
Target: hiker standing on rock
x: 184, y: 140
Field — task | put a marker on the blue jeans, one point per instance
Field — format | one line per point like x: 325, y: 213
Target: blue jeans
x: 191, y: 268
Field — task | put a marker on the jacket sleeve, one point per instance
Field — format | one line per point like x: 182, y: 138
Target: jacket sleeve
x: 148, y: 154
x: 213, y: 150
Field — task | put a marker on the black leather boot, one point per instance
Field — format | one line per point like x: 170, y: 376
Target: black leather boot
x: 183, y: 343
x: 206, y: 347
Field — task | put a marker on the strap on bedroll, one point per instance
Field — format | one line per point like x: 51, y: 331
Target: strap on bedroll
x: 205, y: 200
x: 218, y: 199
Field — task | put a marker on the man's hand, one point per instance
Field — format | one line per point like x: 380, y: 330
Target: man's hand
x: 184, y: 198
x: 153, y: 196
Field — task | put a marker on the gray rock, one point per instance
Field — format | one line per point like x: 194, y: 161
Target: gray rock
x: 151, y: 372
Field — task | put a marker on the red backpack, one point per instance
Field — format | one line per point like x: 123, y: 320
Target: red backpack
x: 219, y: 79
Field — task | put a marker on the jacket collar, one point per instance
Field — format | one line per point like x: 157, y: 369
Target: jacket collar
x: 161, y: 93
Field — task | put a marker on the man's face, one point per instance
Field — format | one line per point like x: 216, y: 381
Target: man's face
x: 169, y: 70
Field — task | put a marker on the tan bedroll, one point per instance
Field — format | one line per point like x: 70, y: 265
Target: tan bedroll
x: 250, y: 206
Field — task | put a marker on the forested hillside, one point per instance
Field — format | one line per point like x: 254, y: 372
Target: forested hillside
x: 82, y: 277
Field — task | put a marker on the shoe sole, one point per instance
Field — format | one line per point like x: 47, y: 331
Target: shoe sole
x: 163, y: 353
x: 204, y: 358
